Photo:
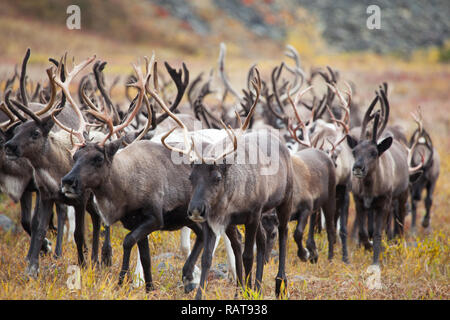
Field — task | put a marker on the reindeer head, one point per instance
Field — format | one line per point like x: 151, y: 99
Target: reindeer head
x: 209, y: 173
x: 366, y: 152
x: 92, y: 166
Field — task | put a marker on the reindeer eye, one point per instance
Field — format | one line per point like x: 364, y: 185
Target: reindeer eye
x: 98, y: 160
x: 35, y: 134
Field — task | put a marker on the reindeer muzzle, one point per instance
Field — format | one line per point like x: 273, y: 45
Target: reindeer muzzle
x: 69, y: 187
x: 11, y: 151
x: 359, y: 172
x: 197, y: 214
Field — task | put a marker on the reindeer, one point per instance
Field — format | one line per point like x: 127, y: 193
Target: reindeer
x: 17, y: 177
x: 315, y: 180
x: 423, y: 151
x: 139, y: 186
x: 329, y: 136
x: 380, y: 175
x: 48, y: 153
x: 221, y: 195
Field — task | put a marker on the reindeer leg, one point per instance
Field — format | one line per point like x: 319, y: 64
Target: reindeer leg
x: 25, y: 211
x: 382, y: 207
x: 232, y: 235
x: 370, y: 222
x: 61, y: 211
x: 428, y: 203
x: 284, y: 214
x: 401, y: 213
x: 95, y: 217
x: 329, y: 210
x: 310, y: 243
x: 39, y: 229
x: 185, y: 241
x: 209, y: 241
x: 152, y: 222
x: 33, y: 225
x: 189, y: 266
x: 261, y: 249
x: 144, y: 253
x: 361, y: 216
x: 302, y: 219
x: 251, y: 229
x: 413, y: 214
x: 79, y: 231
x: 106, y: 248
x: 342, y: 203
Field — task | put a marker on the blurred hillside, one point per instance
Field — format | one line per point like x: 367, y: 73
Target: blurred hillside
x: 198, y: 26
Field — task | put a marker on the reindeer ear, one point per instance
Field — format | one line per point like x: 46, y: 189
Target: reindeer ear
x: 112, y: 148
x: 352, y: 142
x: 47, y: 124
x: 384, y: 145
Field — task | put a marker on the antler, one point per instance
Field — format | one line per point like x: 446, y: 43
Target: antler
x: 140, y: 84
x: 189, y: 147
x: 344, y: 123
x: 385, y: 109
x: 367, y: 117
x: 223, y: 76
x: 181, y: 84
x: 418, y: 120
x: 305, y: 128
x: 64, y: 85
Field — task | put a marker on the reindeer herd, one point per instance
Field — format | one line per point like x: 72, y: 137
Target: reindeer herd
x: 147, y: 163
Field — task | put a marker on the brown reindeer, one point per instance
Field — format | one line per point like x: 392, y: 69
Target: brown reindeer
x: 139, y: 186
x: 423, y: 151
x: 380, y: 175
x: 17, y: 176
x: 48, y: 153
x: 226, y: 194
x: 314, y: 189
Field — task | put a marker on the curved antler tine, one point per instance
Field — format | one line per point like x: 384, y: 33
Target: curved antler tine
x: 367, y: 117
x: 307, y: 141
x: 148, y: 124
x: 233, y: 138
x: 223, y: 76
x: 186, y: 151
x: 192, y: 87
x: 51, y: 102
x: 64, y: 85
x: 8, y: 112
x: 375, y: 126
x: 27, y: 111
x: 140, y: 84
x: 256, y: 83
x: 11, y: 108
x: 23, y: 89
x: 86, y: 99
x: 386, y: 110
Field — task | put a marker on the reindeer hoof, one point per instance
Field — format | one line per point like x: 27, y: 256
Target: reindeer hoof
x: 190, y: 287
x: 303, y: 254
x: 425, y: 223
x: 32, y: 271
x: 314, y: 257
